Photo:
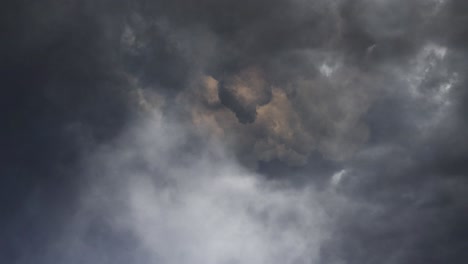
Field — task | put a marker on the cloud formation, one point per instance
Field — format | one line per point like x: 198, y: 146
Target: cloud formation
x: 334, y: 126
x: 198, y: 207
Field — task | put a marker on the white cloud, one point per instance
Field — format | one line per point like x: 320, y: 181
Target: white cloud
x: 337, y: 177
x: 203, y: 207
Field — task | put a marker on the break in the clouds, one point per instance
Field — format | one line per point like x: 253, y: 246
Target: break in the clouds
x: 301, y: 131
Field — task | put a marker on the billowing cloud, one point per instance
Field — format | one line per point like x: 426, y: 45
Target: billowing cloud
x: 195, y: 207
x: 334, y: 126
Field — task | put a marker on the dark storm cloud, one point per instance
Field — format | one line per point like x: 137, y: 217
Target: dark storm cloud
x: 354, y: 111
x: 244, y: 93
x: 403, y: 116
x: 327, y: 62
x: 60, y: 94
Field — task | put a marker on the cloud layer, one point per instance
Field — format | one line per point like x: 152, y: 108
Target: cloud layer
x: 197, y: 207
x: 234, y: 131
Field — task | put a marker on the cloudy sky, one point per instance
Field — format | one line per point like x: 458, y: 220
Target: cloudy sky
x: 234, y: 132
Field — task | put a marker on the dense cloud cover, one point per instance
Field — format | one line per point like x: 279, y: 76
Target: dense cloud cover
x: 221, y: 131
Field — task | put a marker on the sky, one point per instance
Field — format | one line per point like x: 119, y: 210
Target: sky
x: 234, y: 132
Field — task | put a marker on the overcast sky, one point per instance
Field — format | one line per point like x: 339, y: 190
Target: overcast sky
x: 234, y: 132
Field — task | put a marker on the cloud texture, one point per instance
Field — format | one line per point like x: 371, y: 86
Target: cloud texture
x: 300, y: 131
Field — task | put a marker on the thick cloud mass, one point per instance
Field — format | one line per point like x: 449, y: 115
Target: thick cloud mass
x: 222, y: 131
x: 200, y: 206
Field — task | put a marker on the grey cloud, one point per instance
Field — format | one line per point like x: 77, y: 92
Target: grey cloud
x: 330, y: 87
x: 185, y: 207
x: 346, y: 119
x: 245, y: 92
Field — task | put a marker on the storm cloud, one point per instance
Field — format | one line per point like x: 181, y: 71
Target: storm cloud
x: 234, y: 131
